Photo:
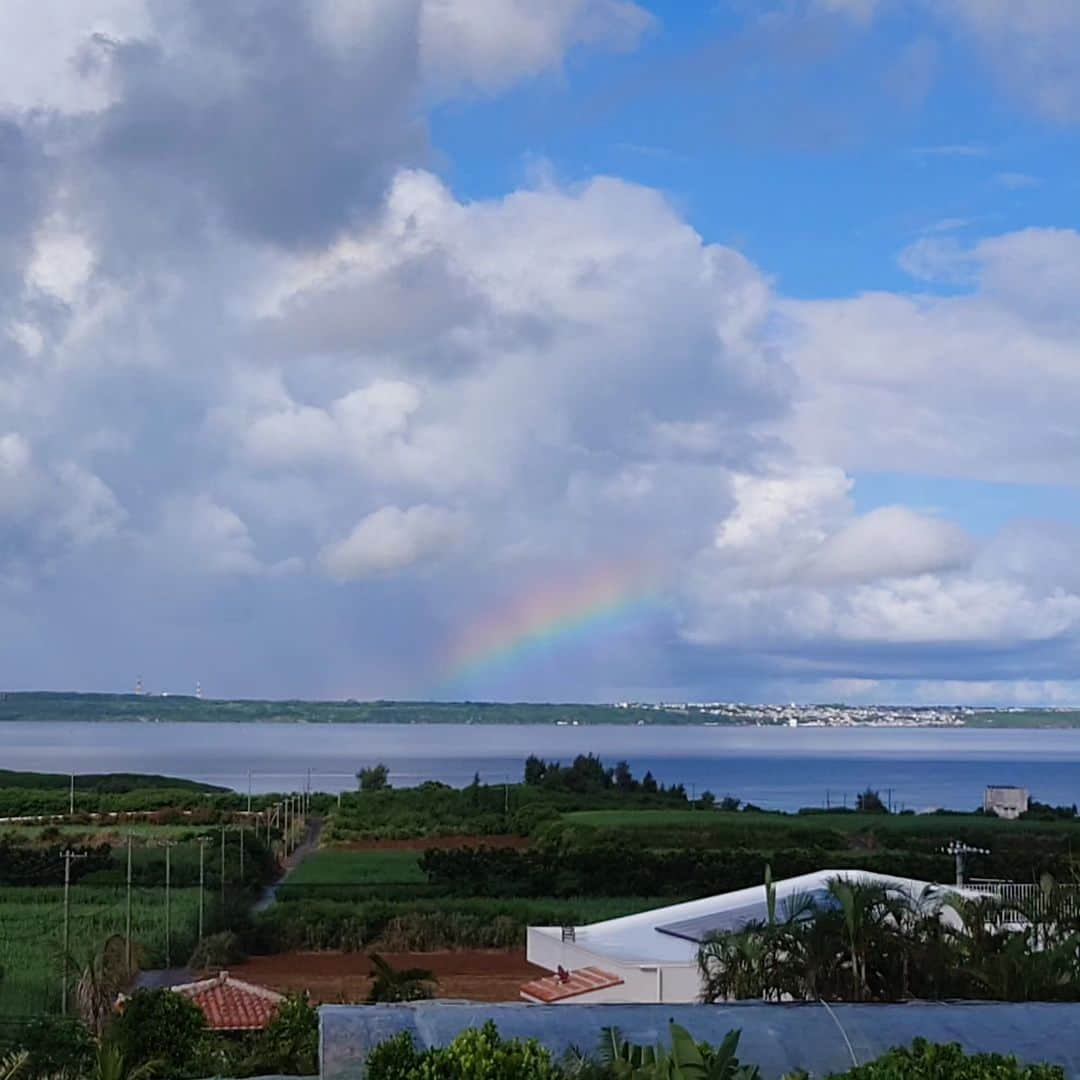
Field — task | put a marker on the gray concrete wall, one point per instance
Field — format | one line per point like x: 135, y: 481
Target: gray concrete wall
x: 779, y: 1038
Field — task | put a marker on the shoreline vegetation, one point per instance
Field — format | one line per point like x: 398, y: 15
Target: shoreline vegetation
x: 62, y: 706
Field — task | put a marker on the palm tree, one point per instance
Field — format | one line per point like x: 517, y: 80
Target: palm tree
x: 863, y: 905
x: 13, y: 1065
x: 399, y: 984
x: 110, y: 1063
x: 103, y: 975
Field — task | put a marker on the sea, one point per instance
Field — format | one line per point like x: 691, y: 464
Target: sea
x: 918, y: 769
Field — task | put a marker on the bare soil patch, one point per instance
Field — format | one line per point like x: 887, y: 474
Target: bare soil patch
x: 334, y: 977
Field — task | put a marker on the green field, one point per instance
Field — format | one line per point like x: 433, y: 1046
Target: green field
x: 114, y: 834
x: 359, y: 868
x: 739, y: 824
x: 31, y: 935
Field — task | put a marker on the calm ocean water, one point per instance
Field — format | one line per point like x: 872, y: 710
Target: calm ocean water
x: 774, y: 767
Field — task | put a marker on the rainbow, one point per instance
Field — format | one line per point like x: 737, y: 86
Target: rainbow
x: 551, y: 614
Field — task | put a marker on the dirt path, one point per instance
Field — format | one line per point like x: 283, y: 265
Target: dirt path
x: 309, y: 844
x: 331, y: 977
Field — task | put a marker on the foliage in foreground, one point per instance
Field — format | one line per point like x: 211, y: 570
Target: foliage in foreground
x: 947, y: 1061
x: 482, y: 1054
x: 868, y: 941
x: 163, y: 1034
x: 399, y: 984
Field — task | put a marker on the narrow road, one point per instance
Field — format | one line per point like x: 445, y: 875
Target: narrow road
x: 309, y: 844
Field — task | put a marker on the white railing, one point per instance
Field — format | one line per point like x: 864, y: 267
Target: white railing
x: 1022, y: 898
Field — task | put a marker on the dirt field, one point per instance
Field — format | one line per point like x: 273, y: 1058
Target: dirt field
x: 332, y: 977
x: 423, y: 843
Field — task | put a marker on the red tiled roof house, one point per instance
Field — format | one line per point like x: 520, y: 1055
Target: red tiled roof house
x: 231, y: 1004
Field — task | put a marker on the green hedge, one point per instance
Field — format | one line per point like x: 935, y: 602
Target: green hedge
x: 424, y: 925
x: 624, y: 870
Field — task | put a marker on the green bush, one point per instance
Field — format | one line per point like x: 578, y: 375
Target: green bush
x: 56, y: 1046
x: 481, y: 1054
x: 423, y: 925
x: 947, y: 1061
x: 476, y: 1054
x: 216, y: 951
x: 290, y: 1043
x: 159, y: 1026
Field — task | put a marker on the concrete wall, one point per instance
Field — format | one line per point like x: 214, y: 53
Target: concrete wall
x: 779, y: 1038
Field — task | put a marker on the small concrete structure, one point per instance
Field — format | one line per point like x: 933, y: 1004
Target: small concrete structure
x: 653, y: 956
x: 1006, y: 801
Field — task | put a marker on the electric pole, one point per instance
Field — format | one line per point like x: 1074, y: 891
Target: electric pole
x: 67, y: 856
x: 71, y: 797
x: 960, y: 851
x: 223, y: 875
x: 127, y: 911
x: 168, y: 845
x: 203, y: 841
x: 249, y: 791
x: 241, y: 854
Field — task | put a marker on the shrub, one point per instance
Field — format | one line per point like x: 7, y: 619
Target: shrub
x: 399, y: 984
x: 937, y: 1061
x: 475, y: 1053
x: 56, y: 1046
x: 290, y: 1043
x: 216, y: 951
x: 160, y: 1026
x: 394, y: 1059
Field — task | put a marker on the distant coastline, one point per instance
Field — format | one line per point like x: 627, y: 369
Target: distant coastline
x: 58, y: 706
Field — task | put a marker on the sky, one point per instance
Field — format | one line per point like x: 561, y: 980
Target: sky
x: 583, y: 350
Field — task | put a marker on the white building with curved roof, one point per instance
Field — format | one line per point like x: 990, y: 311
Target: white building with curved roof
x: 652, y: 956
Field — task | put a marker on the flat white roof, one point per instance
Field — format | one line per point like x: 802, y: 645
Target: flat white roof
x: 638, y: 939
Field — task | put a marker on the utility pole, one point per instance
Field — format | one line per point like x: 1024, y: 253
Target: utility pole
x: 222, y: 875
x: 67, y: 856
x: 285, y: 826
x: 203, y: 841
x: 307, y: 794
x: 241, y: 854
x: 168, y: 845
x: 960, y: 851
x: 249, y: 791
x: 127, y: 911
x: 71, y: 798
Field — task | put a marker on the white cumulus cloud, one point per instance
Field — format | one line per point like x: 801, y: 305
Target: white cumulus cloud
x: 390, y: 539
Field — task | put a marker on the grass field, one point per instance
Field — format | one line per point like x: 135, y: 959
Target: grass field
x: 388, y: 867
x: 31, y: 935
x: 111, y: 833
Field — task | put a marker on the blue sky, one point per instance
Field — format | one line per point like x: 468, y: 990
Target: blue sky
x: 740, y: 339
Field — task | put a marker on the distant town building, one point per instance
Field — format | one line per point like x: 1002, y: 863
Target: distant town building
x: 1006, y: 801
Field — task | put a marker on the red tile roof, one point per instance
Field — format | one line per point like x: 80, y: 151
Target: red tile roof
x: 232, y: 1005
x: 551, y: 988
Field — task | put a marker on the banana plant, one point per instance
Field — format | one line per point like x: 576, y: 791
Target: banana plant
x: 686, y: 1060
